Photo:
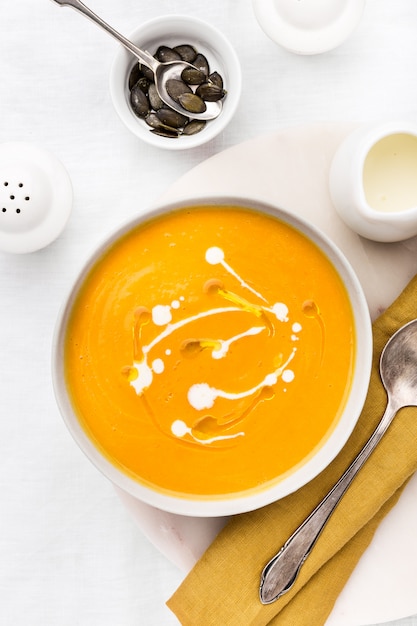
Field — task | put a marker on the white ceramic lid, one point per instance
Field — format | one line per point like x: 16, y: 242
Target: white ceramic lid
x: 35, y: 197
x: 308, y: 26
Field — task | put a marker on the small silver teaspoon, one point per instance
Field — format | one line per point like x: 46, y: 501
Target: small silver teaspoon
x: 398, y: 370
x: 162, y: 71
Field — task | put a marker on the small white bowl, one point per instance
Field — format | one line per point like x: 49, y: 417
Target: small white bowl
x: 373, y: 181
x: 172, y: 30
x: 214, y: 506
x: 310, y: 27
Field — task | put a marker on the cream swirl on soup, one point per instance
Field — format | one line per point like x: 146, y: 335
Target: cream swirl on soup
x: 201, y: 395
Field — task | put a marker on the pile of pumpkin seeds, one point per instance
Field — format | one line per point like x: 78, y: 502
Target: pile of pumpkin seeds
x: 198, y: 86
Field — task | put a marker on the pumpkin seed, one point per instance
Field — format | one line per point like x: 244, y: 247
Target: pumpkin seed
x: 166, y: 132
x: 176, y: 88
x: 152, y: 120
x: 139, y: 102
x: 210, y: 92
x: 186, y: 51
x: 146, y: 71
x: 193, y: 76
x: 154, y: 99
x: 193, y: 127
x: 143, y: 84
x: 216, y: 79
x: 172, y: 118
x: 201, y: 63
x: 192, y: 103
x: 134, y: 75
x: 164, y: 54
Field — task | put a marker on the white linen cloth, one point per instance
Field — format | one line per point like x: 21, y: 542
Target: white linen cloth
x: 70, y: 554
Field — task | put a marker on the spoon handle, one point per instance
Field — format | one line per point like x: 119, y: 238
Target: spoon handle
x: 280, y: 573
x: 142, y: 55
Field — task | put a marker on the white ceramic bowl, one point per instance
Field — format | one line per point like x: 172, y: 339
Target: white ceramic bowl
x: 308, y: 27
x: 222, y: 506
x: 372, y: 180
x: 172, y: 30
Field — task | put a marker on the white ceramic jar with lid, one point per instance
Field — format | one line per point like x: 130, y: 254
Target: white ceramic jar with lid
x: 308, y: 26
x: 373, y: 181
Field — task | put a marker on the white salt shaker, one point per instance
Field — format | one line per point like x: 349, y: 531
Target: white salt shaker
x: 373, y: 181
x: 35, y: 197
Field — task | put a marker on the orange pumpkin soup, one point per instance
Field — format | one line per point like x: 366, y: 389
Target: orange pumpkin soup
x: 210, y: 351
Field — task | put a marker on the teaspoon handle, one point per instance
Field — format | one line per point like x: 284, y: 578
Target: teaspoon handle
x: 142, y: 55
x: 280, y: 573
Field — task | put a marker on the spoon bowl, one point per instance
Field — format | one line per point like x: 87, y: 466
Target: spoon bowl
x: 398, y: 371
x: 399, y: 367
x: 172, y: 70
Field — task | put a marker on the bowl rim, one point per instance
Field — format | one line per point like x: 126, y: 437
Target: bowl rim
x: 231, y: 72
x: 225, y: 505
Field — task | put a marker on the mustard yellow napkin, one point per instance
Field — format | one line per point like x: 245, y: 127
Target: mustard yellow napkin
x: 222, y: 589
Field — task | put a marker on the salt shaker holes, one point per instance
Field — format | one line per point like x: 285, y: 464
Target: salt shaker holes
x: 12, y: 196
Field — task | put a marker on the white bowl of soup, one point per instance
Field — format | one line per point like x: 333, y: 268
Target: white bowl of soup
x: 214, y: 356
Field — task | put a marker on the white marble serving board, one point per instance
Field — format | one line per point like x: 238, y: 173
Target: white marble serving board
x: 290, y: 168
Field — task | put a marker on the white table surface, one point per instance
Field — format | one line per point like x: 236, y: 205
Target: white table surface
x: 70, y: 554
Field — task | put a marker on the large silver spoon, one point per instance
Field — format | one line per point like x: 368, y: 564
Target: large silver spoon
x: 162, y: 71
x: 398, y: 369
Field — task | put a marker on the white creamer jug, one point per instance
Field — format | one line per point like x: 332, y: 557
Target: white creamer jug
x: 373, y: 181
